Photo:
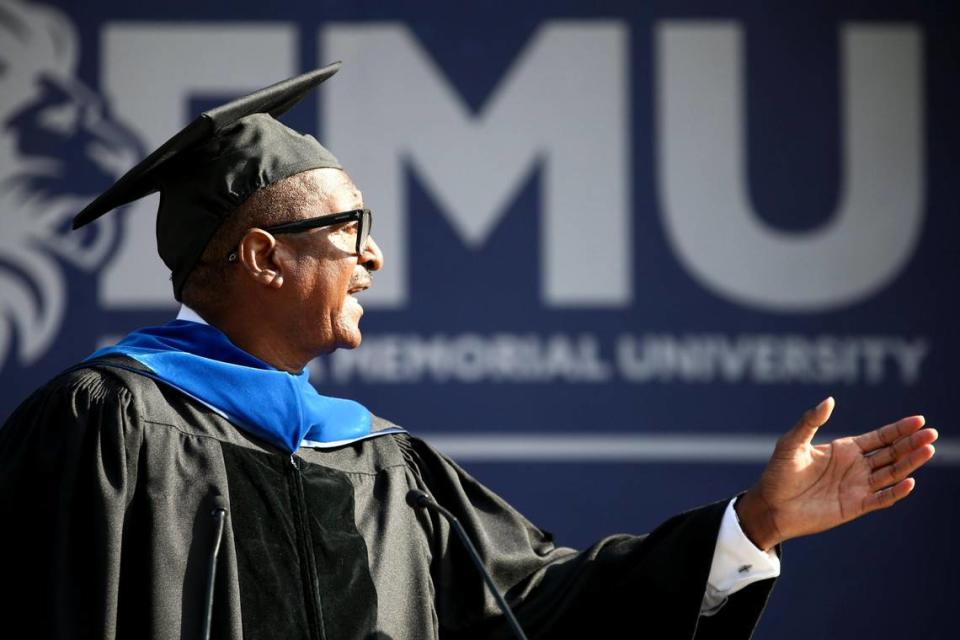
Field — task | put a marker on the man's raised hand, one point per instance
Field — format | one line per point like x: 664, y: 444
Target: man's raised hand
x: 808, y: 488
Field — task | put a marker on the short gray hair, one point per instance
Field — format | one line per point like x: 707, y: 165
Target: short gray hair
x: 207, y: 289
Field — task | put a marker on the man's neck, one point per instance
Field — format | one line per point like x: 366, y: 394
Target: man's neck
x: 255, y: 347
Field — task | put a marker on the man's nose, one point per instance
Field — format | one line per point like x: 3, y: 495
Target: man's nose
x: 372, y: 257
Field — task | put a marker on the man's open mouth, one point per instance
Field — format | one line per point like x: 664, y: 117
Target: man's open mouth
x: 358, y: 288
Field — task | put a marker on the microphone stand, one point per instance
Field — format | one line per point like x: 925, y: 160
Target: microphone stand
x: 422, y: 500
x: 219, y: 514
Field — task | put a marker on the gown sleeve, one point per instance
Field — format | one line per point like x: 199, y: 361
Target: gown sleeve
x: 646, y: 586
x: 67, y: 463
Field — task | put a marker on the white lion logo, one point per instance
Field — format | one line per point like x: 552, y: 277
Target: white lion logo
x: 55, y: 133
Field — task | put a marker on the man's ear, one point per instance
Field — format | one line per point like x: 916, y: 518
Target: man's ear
x: 262, y: 258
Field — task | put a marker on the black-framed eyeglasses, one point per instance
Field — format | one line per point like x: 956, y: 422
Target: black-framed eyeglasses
x: 363, y: 218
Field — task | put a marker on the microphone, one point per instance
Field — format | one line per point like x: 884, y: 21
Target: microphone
x: 219, y: 514
x: 422, y: 500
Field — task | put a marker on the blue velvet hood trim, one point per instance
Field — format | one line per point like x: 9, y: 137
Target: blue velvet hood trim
x: 282, y: 408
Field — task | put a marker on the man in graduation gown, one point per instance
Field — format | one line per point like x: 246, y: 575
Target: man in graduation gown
x: 190, y: 480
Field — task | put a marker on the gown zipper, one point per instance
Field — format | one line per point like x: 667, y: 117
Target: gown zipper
x: 314, y: 606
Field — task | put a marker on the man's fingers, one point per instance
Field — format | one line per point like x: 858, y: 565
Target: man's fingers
x: 889, y: 496
x: 889, y: 434
x: 803, y: 432
x: 893, y: 473
x: 903, y: 446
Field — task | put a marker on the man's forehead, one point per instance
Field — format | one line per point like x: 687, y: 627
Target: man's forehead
x: 329, y: 180
x: 332, y: 191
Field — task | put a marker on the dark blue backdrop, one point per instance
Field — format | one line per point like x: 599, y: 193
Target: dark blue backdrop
x: 889, y: 575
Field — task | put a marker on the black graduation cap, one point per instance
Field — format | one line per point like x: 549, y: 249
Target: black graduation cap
x: 205, y: 171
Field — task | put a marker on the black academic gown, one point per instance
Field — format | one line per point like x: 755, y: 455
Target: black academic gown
x: 107, y: 483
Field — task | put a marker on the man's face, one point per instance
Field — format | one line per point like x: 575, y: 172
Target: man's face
x: 328, y: 272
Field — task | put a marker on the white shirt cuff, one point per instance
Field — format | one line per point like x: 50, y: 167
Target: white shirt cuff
x: 736, y: 563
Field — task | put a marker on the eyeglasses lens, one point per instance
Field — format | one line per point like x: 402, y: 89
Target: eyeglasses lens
x: 364, y: 231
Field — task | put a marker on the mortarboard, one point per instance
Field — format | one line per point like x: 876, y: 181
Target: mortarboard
x: 206, y: 170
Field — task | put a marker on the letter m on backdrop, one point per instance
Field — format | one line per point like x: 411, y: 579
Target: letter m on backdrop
x: 563, y: 102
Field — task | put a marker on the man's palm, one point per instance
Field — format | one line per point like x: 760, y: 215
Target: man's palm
x: 810, y: 488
